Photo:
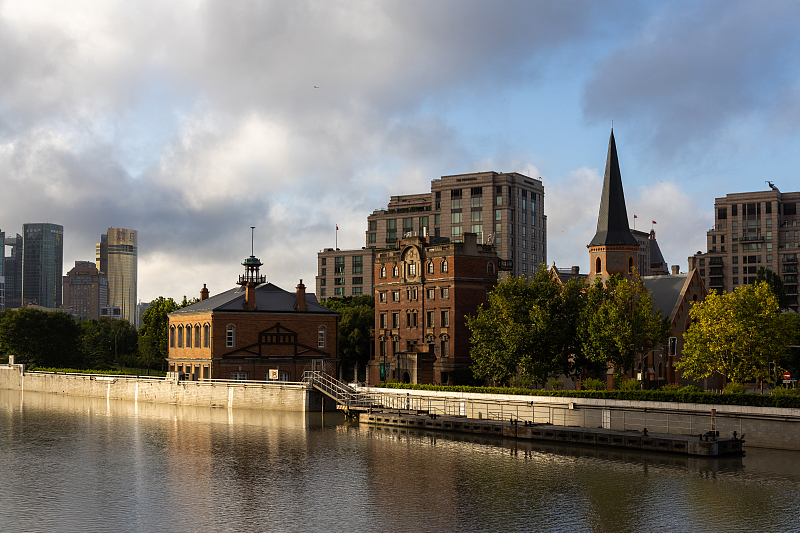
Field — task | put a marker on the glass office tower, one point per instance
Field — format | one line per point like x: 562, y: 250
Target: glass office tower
x: 42, y: 263
x: 116, y: 255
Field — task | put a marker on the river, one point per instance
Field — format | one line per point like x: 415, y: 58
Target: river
x: 85, y: 464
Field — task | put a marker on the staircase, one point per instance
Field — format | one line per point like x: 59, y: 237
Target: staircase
x: 349, y: 399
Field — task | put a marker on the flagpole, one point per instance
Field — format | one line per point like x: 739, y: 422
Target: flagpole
x: 336, y: 242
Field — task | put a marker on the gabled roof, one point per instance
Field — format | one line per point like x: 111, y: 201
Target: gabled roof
x: 563, y: 276
x: 656, y: 258
x: 612, y: 222
x: 669, y: 291
x: 269, y: 298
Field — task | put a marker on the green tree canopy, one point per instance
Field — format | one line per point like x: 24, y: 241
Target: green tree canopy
x: 106, y: 341
x: 620, y: 322
x: 41, y: 338
x: 154, y: 332
x: 529, y: 328
x: 356, y: 319
x: 736, y: 334
x: 774, y: 281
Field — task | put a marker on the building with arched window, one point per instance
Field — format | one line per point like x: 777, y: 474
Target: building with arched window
x: 256, y: 331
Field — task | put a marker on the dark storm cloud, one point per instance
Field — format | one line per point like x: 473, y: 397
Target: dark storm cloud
x: 695, y: 70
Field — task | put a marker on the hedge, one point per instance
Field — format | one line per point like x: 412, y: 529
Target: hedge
x: 747, y: 399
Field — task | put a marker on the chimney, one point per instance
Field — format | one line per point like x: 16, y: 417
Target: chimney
x: 676, y: 269
x: 576, y: 270
x: 203, y: 293
x: 301, y: 297
x: 250, y: 297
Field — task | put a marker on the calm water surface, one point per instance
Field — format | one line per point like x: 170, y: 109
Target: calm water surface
x: 82, y: 464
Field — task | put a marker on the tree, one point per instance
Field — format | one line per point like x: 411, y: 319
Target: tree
x: 41, y: 338
x: 528, y: 329
x: 736, y: 334
x: 620, y: 322
x: 154, y: 332
x: 775, y: 283
x: 356, y: 319
x: 106, y: 341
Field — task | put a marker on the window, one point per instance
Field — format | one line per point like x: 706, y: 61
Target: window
x: 429, y: 320
x: 490, y: 267
x: 197, y: 336
x: 323, y: 272
x: 395, y: 271
x: 445, y: 348
x: 172, y: 337
x: 437, y: 219
x: 383, y: 272
x: 456, y: 231
x: 423, y: 223
x: 239, y: 376
x: 431, y: 294
x: 476, y: 201
x: 358, y: 264
x: 477, y: 216
x: 373, y: 225
x: 444, y: 266
x: 338, y: 291
x: 456, y: 218
x: 411, y: 268
x: 358, y: 281
x: 445, y: 318
x: 408, y: 225
x: 230, y: 336
x: 445, y: 293
x: 382, y: 297
x: 768, y: 207
x: 722, y: 213
x: 338, y: 281
x: 180, y: 336
x: 395, y: 320
x: 322, y: 292
x: 373, y: 238
x: 358, y: 291
x: 429, y: 267
x: 735, y: 248
x: 597, y: 266
x: 321, y: 334
x: 205, y: 335
x: 395, y: 296
x: 383, y: 321
x: 338, y: 265
x: 391, y: 230
x: 734, y: 210
x: 323, y: 282
x: 324, y: 261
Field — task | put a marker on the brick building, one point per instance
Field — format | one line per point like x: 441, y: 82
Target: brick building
x: 256, y: 331
x: 423, y: 292
x: 85, y: 291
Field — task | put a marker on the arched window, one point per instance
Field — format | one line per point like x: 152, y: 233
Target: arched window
x: 321, y: 334
x: 197, y: 335
x: 189, y: 336
x: 230, y: 336
x: 172, y: 337
x: 395, y: 271
x: 490, y: 267
x: 630, y: 264
x: 430, y: 267
x: 205, y: 336
x: 383, y: 271
x: 598, y: 264
x: 444, y: 265
x: 180, y: 336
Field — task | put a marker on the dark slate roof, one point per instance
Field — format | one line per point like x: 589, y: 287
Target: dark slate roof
x: 612, y: 222
x: 666, y: 291
x: 656, y: 259
x: 269, y: 298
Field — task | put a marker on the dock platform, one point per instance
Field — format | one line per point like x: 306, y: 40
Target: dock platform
x: 708, y: 444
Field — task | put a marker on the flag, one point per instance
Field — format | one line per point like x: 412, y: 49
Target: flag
x: 634, y: 216
x: 337, y: 227
x: 654, y: 222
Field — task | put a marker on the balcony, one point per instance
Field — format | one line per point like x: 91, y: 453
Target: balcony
x: 715, y: 282
x: 790, y: 258
x: 791, y: 269
x: 752, y: 238
x: 715, y: 261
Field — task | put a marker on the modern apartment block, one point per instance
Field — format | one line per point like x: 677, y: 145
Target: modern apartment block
x: 85, y: 291
x: 116, y: 255
x: 503, y: 209
x: 42, y: 264
x: 752, y: 230
x: 343, y: 273
x: 423, y: 292
x: 12, y: 271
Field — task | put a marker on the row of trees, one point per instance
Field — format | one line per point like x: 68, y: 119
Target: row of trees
x: 356, y: 319
x: 56, y: 340
x: 536, y: 328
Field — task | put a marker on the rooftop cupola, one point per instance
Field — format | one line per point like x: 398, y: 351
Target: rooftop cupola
x: 251, y: 277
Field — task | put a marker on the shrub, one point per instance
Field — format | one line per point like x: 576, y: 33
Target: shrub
x: 784, y: 392
x: 630, y: 384
x: 690, y: 388
x: 592, y: 384
x: 735, y: 388
x: 671, y: 387
x: 556, y: 384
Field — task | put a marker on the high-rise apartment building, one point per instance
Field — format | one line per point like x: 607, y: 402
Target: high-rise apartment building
x: 42, y: 263
x: 85, y: 290
x: 343, y: 273
x: 12, y: 271
x: 117, y: 258
x: 752, y: 230
x: 503, y: 209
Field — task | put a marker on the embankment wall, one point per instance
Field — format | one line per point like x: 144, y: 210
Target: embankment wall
x: 239, y: 395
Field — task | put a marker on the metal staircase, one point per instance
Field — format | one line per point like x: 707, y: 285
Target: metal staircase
x: 348, y: 398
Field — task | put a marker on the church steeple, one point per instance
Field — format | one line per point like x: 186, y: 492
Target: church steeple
x: 612, y: 222
x: 614, y: 249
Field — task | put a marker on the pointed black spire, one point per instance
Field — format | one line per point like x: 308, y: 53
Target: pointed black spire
x: 612, y: 223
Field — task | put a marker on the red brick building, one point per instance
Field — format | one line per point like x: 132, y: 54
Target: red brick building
x: 256, y: 331
x: 423, y: 292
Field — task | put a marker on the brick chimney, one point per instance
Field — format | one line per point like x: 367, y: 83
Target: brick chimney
x: 301, y: 297
x: 576, y: 270
x: 250, y: 297
x: 676, y: 269
x: 203, y: 293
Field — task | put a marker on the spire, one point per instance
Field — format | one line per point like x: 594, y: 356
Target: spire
x: 612, y: 222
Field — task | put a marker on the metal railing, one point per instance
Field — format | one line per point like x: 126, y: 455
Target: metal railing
x: 340, y: 392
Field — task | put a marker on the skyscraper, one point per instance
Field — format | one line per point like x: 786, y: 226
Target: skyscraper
x: 42, y: 262
x: 12, y: 270
x: 117, y: 258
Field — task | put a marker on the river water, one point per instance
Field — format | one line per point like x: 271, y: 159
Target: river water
x: 84, y: 464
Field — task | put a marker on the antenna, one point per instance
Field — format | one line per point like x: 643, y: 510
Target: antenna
x: 252, y: 233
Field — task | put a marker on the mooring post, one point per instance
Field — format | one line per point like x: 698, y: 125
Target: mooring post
x: 713, y: 420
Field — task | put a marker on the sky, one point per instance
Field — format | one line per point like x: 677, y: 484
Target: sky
x: 191, y: 121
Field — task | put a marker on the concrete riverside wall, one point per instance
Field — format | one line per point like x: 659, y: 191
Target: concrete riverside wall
x: 236, y: 394
x: 763, y: 427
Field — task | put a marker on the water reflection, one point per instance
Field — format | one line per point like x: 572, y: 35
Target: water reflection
x: 83, y: 464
